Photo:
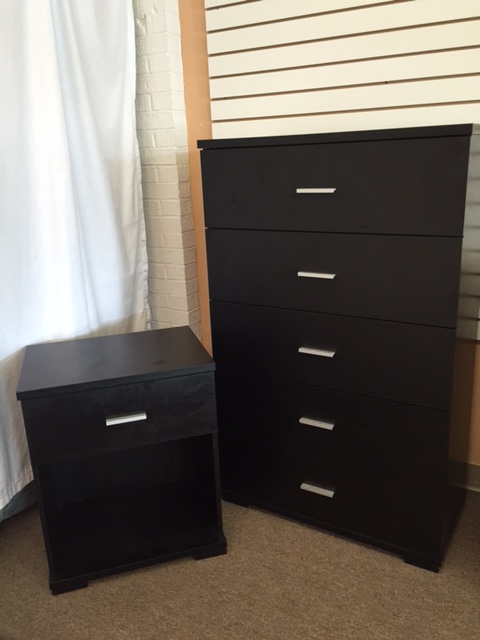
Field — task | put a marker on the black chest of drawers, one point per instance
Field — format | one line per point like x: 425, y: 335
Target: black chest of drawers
x: 122, y: 436
x: 334, y: 265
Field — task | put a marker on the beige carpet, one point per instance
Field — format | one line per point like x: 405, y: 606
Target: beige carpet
x: 279, y: 580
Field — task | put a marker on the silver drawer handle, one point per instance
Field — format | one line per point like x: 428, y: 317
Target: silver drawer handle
x: 328, y: 426
x: 316, y: 352
x: 320, y: 190
x: 321, y: 491
x: 314, y: 274
x: 129, y: 417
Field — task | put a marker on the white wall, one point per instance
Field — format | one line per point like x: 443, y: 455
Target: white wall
x: 162, y: 136
x: 283, y: 67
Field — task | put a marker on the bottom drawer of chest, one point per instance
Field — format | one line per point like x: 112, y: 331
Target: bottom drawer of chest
x: 386, y: 510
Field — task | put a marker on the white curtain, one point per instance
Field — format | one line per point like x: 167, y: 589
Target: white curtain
x: 72, y: 238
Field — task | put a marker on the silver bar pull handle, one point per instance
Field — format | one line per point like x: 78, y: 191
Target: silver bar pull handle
x: 319, y: 424
x: 314, y: 274
x: 318, y: 190
x: 316, y: 352
x: 129, y: 417
x: 313, y: 488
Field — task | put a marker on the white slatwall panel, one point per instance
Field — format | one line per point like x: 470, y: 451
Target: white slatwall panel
x: 248, y: 13
x: 382, y: 17
x: 469, y: 308
x: 211, y: 4
x: 380, y: 71
x: 387, y: 96
x: 351, y: 120
x: 431, y: 38
x: 280, y: 67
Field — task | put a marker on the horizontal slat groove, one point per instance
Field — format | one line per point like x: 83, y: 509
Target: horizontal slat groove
x: 345, y: 86
x: 320, y: 65
x: 359, y: 120
x: 351, y: 111
x: 333, y: 100
x: 213, y: 5
x: 302, y: 16
x: 238, y: 12
x: 343, y: 36
x: 357, y: 48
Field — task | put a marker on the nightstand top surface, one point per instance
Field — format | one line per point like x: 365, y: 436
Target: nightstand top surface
x: 82, y: 364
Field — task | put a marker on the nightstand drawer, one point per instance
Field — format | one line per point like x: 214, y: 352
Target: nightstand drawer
x: 413, y: 187
x: 407, y: 279
x: 389, y: 360
x: 390, y: 437
x: 347, y: 498
x: 73, y: 425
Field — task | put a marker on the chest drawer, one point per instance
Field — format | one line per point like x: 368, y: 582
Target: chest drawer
x: 390, y: 437
x: 73, y: 425
x: 350, y: 499
x: 389, y: 360
x: 407, y: 279
x: 412, y: 186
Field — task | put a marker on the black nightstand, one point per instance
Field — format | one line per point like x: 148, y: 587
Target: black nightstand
x: 122, y: 437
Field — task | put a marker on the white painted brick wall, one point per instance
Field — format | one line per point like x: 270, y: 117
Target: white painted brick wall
x: 162, y: 138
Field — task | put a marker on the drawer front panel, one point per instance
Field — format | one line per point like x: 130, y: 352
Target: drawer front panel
x: 382, y: 508
x: 75, y: 424
x: 385, y: 436
x: 407, y: 279
x: 393, y: 361
x: 390, y: 186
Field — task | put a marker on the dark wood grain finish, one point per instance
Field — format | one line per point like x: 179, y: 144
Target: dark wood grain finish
x: 115, y: 497
x: 121, y: 510
x: 392, y: 511
x: 412, y: 187
x: 390, y: 437
x: 389, y: 360
x: 405, y: 279
x: 390, y: 227
x: 91, y: 363
x: 174, y: 407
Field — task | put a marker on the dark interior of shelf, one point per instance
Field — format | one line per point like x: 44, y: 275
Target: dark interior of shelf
x: 128, y: 507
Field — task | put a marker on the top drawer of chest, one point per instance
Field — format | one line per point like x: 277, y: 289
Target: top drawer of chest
x: 412, y: 186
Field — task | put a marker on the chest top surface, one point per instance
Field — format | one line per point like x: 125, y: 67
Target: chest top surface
x: 80, y: 365
x: 340, y: 137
